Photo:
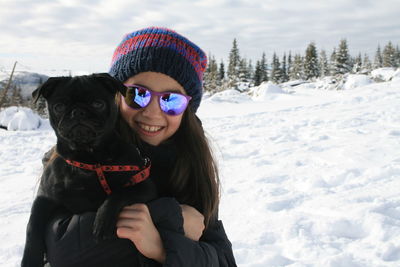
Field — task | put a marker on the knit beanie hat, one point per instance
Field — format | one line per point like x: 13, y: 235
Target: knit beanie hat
x: 165, y: 51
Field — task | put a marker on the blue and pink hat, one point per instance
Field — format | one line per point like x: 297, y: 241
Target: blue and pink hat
x: 165, y: 51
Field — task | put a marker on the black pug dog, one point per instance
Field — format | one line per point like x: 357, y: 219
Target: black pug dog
x: 93, y: 169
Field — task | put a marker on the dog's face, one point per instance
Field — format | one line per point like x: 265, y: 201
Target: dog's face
x: 82, y: 109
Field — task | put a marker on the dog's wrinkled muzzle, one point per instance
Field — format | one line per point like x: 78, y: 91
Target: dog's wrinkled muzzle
x: 82, y: 134
x: 79, y: 135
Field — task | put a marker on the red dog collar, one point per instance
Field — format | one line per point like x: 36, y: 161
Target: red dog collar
x: 100, y: 169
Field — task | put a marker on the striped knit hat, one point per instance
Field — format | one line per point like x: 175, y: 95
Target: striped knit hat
x: 165, y: 51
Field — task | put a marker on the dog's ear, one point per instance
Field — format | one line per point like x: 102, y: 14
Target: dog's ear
x: 113, y: 85
x: 46, y: 89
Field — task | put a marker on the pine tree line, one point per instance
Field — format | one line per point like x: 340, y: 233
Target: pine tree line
x: 311, y: 65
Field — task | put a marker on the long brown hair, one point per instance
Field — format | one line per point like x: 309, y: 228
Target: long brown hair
x: 194, y: 179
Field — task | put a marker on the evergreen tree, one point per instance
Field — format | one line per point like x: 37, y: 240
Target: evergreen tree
x: 343, y: 64
x: 233, y: 66
x: 2, y: 86
x: 285, y: 76
x: 332, y: 62
x: 378, y: 61
x: 5, y: 99
x: 221, y: 71
x: 323, y: 64
x: 276, y: 70
x: 397, y: 56
x: 357, y: 66
x: 264, y: 68
x: 250, y: 71
x: 366, y: 65
x: 352, y: 61
x: 289, y: 65
x: 16, y: 98
x: 243, y: 70
x: 211, y: 75
x: 296, y: 72
x: 311, y: 69
x: 389, y: 56
x: 258, y: 74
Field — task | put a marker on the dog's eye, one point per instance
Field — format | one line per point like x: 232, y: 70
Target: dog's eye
x: 98, y: 104
x: 59, y: 107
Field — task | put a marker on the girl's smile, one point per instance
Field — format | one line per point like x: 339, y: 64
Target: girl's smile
x: 148, y: 129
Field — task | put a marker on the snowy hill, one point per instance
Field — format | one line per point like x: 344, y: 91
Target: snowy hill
x: 27, y: 81
x: 310, y: 177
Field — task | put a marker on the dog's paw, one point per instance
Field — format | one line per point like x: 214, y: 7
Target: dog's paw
x: 104, y: 229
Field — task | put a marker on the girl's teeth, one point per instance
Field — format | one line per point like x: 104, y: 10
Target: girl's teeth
x: 150, y: 128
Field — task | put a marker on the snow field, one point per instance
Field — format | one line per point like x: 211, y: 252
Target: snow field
x: 309, y: 178
x: 20, y: 169
x: 313, y: 184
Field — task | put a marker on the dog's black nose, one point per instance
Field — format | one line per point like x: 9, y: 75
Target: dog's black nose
x: 78, y: 113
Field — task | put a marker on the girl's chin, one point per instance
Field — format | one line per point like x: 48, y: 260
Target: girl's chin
x: 151, y: 141
x: 152, y: 138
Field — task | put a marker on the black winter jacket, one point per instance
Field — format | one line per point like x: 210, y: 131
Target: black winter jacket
x: 70, y: 243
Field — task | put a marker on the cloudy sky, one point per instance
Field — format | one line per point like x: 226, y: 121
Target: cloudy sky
x: 81, y: 35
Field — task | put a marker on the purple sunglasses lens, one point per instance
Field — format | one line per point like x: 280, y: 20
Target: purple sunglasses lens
x: 173, y: 104
x: 137, y: 98
x: 141, y: 97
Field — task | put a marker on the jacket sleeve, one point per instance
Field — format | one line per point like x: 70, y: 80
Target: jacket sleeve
x: 213, y: 250
x: 69, y: 242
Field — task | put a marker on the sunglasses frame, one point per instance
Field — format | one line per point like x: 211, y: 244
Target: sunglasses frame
x: 159, y: 95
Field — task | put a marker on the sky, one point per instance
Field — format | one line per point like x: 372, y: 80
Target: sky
x: 80, y: 35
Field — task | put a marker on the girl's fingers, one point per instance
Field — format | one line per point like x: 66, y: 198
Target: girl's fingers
x: 127, y: 233
x: 135, y: 211
x: 129, y: 223
x: 131, y: 214
x: 138, y: 206
x: 136, y: 224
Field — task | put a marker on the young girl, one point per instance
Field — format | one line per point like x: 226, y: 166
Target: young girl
x: 163, y: 72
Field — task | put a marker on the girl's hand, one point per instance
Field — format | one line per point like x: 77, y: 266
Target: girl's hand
x: 193, y: 222
x: 135, y: 223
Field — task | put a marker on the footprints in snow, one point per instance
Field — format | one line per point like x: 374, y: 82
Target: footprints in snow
x: 285, y: 204
x: 395, y: 133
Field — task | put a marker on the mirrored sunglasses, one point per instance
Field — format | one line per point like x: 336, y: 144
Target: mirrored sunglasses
x: 171, y: 103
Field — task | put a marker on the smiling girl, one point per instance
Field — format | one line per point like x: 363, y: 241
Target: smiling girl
x: 163, y: 73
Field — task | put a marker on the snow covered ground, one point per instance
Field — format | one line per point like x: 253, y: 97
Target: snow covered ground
x: 310, y: 178
x: 19, y: 118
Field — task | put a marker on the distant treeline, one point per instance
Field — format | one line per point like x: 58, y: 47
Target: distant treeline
x: 13, y: 96
x: 242, y: 73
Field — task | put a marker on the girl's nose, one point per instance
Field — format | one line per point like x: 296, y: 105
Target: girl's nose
x: 153, y: 108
